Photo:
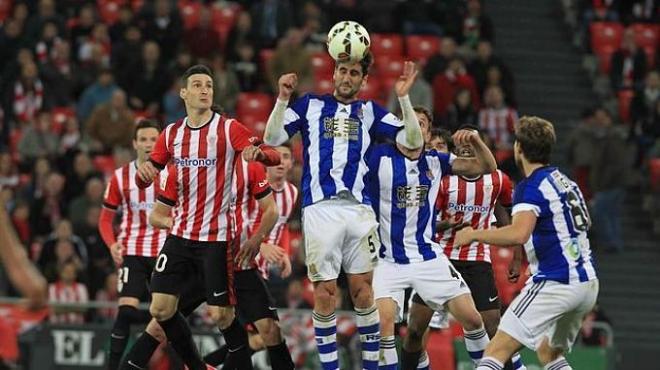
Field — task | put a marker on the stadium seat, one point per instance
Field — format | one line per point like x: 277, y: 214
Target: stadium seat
x: 322, y: 64
x: 256, y: 123
x: 104, y: 164
x: 654, y: 173
x: 372, y: 91
x: 440, y: 348
x: 5, y: 9
x: 625, y: 97
x: 224, y: 16
x: 646, y: 35
x: 254, y: 104
x: 189, y: 11
x: 389, y: 66
x: 605, y: 36
x: 386, y: 44
x: 137, y: 4
x: 421, y: 47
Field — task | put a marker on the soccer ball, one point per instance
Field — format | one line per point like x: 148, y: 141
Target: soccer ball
x: 348, y: 41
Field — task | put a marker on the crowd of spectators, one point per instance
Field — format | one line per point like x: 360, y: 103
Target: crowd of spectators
x: 76, y: 75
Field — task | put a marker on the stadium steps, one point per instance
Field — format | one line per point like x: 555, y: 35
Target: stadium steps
x: 536, y: 46
x: 534, y: 42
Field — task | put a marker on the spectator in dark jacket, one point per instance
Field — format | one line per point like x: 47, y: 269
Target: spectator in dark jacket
x: 628, y: 64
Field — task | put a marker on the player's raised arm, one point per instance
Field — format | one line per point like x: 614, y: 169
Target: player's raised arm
x: 275, y: 133
x: 411, y: 135
x: 483, y: 160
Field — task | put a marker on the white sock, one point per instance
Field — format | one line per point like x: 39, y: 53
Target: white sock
x: 368, y: 324
x: 489, y: 363
x: 475, y: 343
x: 325, y: 328
x: 517, y: 362
x: 424, y: 363
x: 389, y: 359
x: 558, y: 364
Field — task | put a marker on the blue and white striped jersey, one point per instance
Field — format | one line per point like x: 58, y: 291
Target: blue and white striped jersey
x: 336, y: 139
x: 558, y: 248
x: 403, y: 193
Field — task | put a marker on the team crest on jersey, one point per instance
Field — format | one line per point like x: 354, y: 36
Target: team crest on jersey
x: 411, y: 196
x: 430, y: 175
x: 360, y: 113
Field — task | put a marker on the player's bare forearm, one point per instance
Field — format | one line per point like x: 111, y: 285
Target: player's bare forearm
x: 268, y: 219
x: 516, y: 234
x: 160, y: 217
x: 484, y: 155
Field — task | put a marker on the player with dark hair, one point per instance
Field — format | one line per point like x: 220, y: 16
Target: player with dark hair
x: 550, y: 218
x: 337, y: 132
x: 136, y: 246
x: 202, y: 147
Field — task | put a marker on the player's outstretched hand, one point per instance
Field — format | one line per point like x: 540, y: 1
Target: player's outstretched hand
x: 287, y: 85
x: 406, y: 80
x: 465, y: 136
x: 248, y: 251
x: 272, y: 253
x: 286, y: 267
x: 252, y: 153
x: 117, y: 252
x: 464, y: 236
x: 147, y: 172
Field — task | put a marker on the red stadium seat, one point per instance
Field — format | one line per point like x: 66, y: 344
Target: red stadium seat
x: 605, y: 35
x: 654, y: 172
x: 5, y: 9
x: 386, y: 44
x: 646, y: 35
x: 224, y: 16
x: 605, y: 60
x: 265, y: 55
x: 389, y: 66
x: 420, y: 48
x: 324, y: 85
x: 189, y: 13
x: 372, y: 91
x: 322, y: 64
x: 625, y: 97
x: 256, y: 123
x: 104, y: 163
x: 137, y: 4
x: 254, y: 104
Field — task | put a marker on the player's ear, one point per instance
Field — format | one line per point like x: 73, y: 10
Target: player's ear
x: 183, y: 92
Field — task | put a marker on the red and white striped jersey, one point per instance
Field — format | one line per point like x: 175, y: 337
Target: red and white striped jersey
x: 498, y: 124
x: 473, y: 201
x: 204, y: 161
x: 136, y: 235
x: 65, y: 293
x: 250, y: 185
x: 285, y: 199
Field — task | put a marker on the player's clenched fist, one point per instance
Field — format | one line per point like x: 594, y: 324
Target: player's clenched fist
x: 147, y: 172
x: 465, y: 136
x: 252, y: 153
x: 287, y: 84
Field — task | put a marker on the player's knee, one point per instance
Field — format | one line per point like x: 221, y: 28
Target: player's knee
x: 124, y: 319
x: 362, y: 296
x: 269, y: 332
x: 472, y: 321
x: 324, y: 299
x: 547, y: 354
x: 156, y: 331
x: 161, y: 312
x: 415, y: 336
x: 256, y: 342
x: 222, y: 316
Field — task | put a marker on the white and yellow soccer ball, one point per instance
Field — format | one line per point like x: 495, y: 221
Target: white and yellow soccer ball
x: 348, y: 41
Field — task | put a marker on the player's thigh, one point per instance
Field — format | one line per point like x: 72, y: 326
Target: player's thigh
x: 565, y: 330
x: 254, y: 301
x: 481, y: 281
x: 173, y: 264
x: 193, y: 293
x: 359, y: 250
x: 213, y: 260
x: 390, y: 282
x: 536, y: 310
x: 323, y: 235
x: 436, y: 281
x: 133, y: 278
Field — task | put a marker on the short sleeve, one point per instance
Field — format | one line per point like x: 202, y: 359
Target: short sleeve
x: 160, y: 155
x: 257, y: 180
x: 168, y: 186
x: 506, y: 191
x: 386, y: 125
x: 446, y: 160
x: 240, y: 136
x: 112, y: 197
x: 294, y: 116
x: 527, y: 198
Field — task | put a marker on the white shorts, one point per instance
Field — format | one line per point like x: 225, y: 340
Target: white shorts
x: 549, y: 309
x: 436, y: 281
x: 339, y: 234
